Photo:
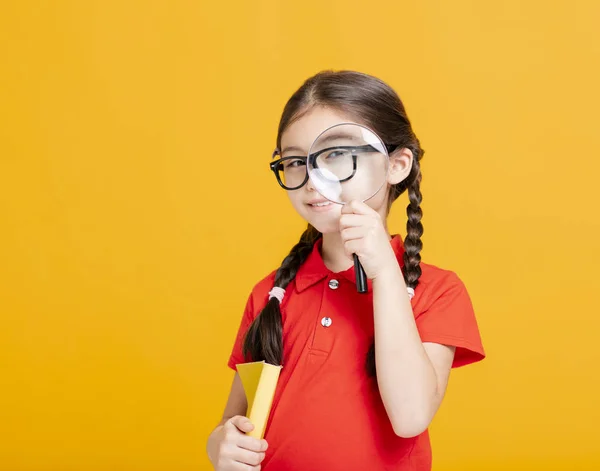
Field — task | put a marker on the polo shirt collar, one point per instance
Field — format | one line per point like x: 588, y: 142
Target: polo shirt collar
x: 314, y: 270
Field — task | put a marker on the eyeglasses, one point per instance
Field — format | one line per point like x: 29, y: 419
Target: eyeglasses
x: 340, y: 161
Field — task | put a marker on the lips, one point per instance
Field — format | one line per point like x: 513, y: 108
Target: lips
x: 318, y: 203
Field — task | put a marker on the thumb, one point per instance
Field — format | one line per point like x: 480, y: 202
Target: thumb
x: 243, y: 424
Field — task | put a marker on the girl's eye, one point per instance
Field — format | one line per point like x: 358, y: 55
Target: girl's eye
x: 294, y: 163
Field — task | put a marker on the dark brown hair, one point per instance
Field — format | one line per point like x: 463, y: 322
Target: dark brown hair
x: 375, y: 104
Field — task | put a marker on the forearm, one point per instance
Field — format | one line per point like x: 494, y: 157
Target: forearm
x: 406, y: 377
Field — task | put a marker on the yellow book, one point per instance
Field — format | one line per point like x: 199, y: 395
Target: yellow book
x: 259, y: 380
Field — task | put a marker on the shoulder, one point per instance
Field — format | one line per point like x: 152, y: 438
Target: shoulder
x: 436, y: 283
x: 434, y: 278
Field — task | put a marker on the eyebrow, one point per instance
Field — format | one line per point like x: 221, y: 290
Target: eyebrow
x: 331, y: 137
x: 292, y: 148
x: 340, y: 135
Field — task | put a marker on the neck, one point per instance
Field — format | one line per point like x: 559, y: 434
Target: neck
x: 333, y: 254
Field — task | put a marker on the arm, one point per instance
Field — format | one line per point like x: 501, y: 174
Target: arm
x: 412, y: 376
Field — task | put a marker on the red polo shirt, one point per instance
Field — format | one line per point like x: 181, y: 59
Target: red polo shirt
x: 327, y: 413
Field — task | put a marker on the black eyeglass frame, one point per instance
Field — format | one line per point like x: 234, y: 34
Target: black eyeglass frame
x: 274, y: 166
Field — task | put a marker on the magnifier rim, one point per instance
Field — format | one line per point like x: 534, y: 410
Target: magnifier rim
x: 387, y: 156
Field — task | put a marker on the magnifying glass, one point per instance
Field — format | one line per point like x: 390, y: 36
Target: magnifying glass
x: 348, y: 162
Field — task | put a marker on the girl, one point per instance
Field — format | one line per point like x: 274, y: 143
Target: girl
x: 363, y: 374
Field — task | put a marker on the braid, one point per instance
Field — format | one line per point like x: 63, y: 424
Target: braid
x: 414, y: 230
x: 264, y: 339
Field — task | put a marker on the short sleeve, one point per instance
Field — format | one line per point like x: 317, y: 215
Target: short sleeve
x: 450, y: 320
x: 237, y: 355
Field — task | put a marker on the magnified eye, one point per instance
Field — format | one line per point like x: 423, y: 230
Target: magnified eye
x: 332, y: 155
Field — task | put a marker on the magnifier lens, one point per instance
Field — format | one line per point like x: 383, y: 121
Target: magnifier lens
x: 348, y: 162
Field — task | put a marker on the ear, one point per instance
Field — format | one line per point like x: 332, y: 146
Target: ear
x: 400, y: 164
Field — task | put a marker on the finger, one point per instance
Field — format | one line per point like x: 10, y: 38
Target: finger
x: 353, y: 247
x: 357, y: 207
x: 252, y: 444
x: 248, y: 457
x: 352, y: 233
x: 352, y: 220
x: 241, y: 423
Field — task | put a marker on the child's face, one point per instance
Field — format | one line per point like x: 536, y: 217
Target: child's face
x: 313, y: 207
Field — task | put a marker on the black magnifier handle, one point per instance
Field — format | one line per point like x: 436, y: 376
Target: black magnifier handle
x: 361, y: 276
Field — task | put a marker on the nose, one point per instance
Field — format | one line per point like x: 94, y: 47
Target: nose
x: 309, y: 185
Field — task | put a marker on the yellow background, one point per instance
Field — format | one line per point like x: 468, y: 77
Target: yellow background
x: 137, y: 211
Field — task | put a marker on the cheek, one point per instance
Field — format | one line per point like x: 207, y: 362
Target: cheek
x: 379, y: 201
x: 296, y: 200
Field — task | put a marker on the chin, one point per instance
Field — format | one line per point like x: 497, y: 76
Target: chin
x: 326, y: 222
x: 325, y: 227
